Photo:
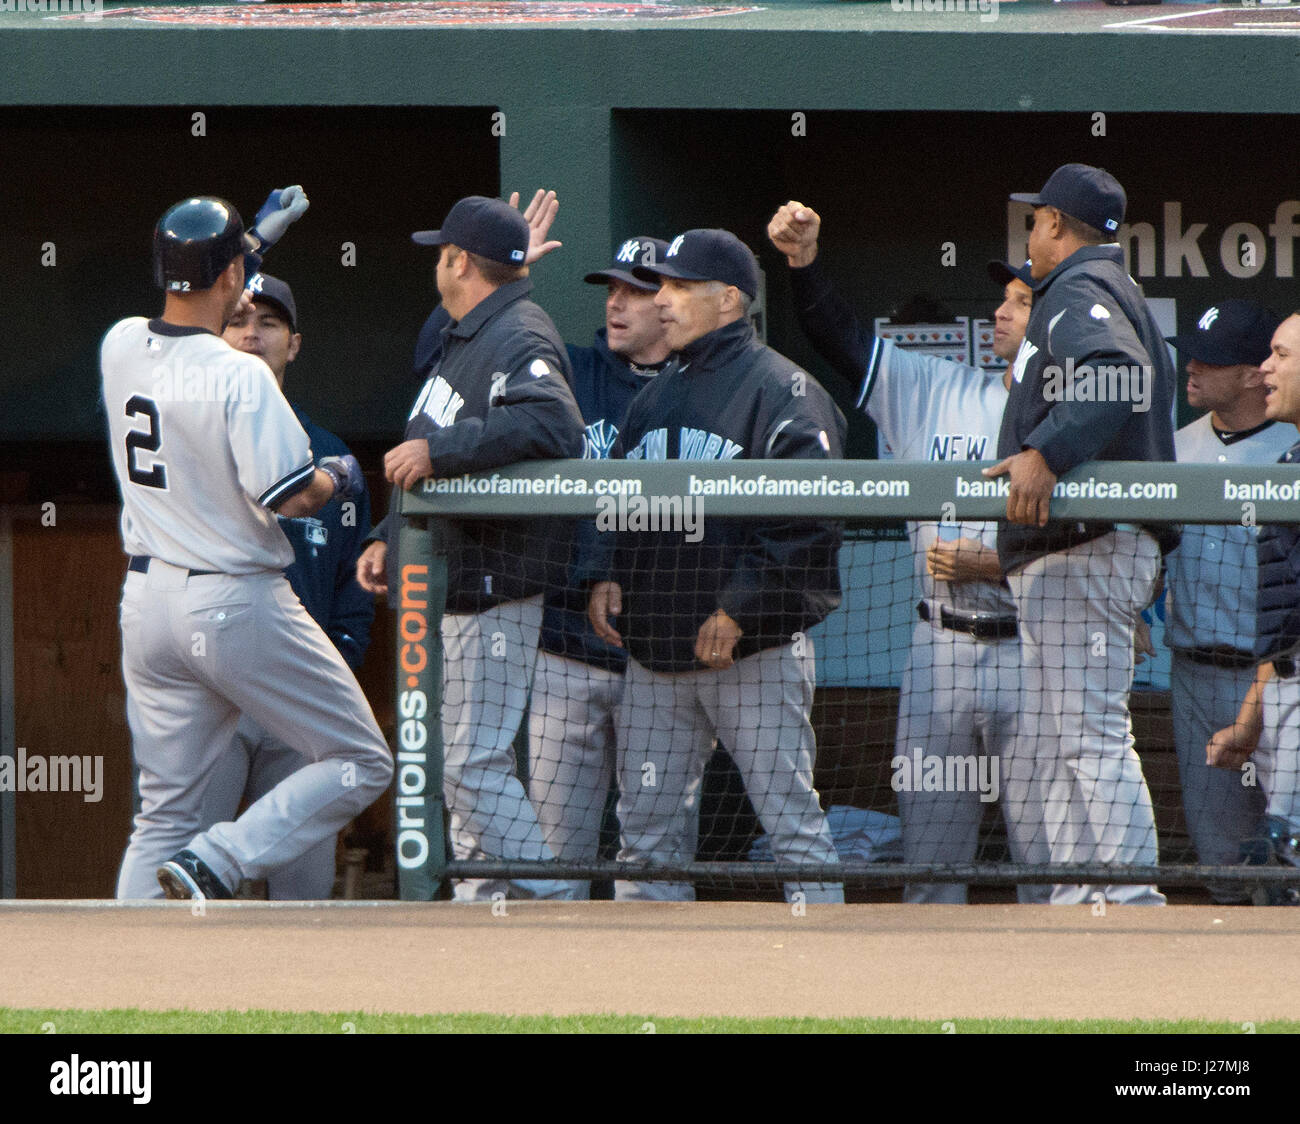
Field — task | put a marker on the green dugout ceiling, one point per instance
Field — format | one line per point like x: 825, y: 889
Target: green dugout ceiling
x: 905, y: 130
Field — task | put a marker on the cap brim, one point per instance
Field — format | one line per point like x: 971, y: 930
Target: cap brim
x: 655, y: 272
x: 602, y: 276
x: 1030, y: 197
x: 1002, y: 273
x: 1190, y: 347
x: 427, y: 238
x: 262, y: 298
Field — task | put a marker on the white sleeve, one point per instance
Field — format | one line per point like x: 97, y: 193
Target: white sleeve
x: 271, y: 450
x: 897, y: 392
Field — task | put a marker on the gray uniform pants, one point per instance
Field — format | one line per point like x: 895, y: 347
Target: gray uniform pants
x: 488, y: 667
x: 571, y: 749
x: 1221, y: 811
x: 667, y: 727
x: 1078, y: 609
x: 196, y: 653
x: 1277, y: 759
x: 256, y: 763
x: 572, y: 752
x: 960, y: 699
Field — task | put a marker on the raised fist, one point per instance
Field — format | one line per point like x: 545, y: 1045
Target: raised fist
x: 793, y: 230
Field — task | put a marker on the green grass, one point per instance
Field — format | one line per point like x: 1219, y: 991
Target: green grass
x: 134, y: 1021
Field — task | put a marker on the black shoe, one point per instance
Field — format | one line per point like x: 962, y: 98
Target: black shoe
x: 186, y: 877
x: 1273, y: 844
x: 1286, y: 845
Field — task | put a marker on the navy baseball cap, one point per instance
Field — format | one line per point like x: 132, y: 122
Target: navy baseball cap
x: 488, y: 227
x: 1091, y: 195
x: 706, y: 255
x: 1230, y: 333
x: 271, y: 290
x: 1002, y: 273
x: 639, y: 250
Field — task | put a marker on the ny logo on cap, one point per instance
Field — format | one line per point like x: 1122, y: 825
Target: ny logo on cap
x: 676, y: 245
x: 629, y: 250
x: 255, y: 285
x: 1211, y: 315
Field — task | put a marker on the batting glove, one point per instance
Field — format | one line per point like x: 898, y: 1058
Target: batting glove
x: 283, y: 206
x: 345, y: 472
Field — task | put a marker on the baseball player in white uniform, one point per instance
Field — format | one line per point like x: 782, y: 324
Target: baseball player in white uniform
x: 1211, y: 578
x: 960, y: 688
x: 323, y: 575
x: 207, y: 452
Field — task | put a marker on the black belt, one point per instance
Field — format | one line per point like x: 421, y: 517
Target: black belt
x: 139, y: 564
x: 1285, y: 668
x: 1220, y: 657
x: 978, y: 625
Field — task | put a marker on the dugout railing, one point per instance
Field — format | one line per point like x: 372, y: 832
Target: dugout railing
x: 851, y: 490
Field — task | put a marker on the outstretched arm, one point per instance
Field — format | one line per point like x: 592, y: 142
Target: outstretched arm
x: 829, y: 323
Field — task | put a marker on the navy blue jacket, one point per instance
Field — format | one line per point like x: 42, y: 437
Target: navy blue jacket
x: 604, y: 386
x: 1277, y: 612
x: 1090, y: 311
x: 326, y: 547
x: 496, y: 393
x: 724, y: 396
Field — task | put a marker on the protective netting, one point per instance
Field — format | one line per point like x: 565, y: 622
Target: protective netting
x: 885, y: 708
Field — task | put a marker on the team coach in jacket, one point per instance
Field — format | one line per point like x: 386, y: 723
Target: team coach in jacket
x: 714, y: 615
x: 497, y: 393
x: 1092, y: 381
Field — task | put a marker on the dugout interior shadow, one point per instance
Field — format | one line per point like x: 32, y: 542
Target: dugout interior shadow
x: 94, y: 179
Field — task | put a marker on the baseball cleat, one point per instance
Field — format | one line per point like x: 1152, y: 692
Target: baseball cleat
x: 1286, y: 848
x: 1286, y: 845
x: 1273, y: 845
x: 186, y: 877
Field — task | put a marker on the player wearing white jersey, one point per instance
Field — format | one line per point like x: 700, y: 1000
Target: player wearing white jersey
x: 207, y: 452
x: 1211, y: 577
x: 960, y: 689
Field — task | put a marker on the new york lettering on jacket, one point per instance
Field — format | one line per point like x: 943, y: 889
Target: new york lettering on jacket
x: 726, y: 397
x: 604, y: 385
x: 496, y: 392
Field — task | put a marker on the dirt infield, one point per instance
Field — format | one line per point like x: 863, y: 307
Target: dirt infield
x: 936, y: 962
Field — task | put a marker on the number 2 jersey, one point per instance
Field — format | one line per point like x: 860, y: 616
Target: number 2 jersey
x: 203, y: 444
